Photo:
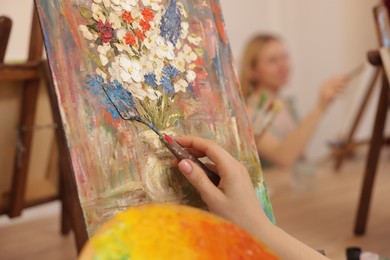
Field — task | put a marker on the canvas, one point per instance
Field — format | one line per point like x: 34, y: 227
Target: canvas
x: 165, y: 62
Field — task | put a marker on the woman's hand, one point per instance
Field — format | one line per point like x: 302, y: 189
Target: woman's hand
x: 234, y: 198
x: 331, y: 89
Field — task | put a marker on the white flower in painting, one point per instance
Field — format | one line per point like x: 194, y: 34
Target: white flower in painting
x: 189, y: 54
x: 153, y: 94
x: 190, y: 76
x: 97, y: 13
x: 170, y: 51
x: 135, y: 13
x: 164, y: 50
x: 92, y: 45
x: 180, y: 85
x: 121, y: 47
x: 154, y: 4
x: 184, y: 30
x: 128, y: 5
x: 131, y: 69
x: 120, y: 34
x: 159, y: 40
x: 192, y: 66
x: 97, y: 1
x: 156, y: 66
x: 179, y: 62
x: 150, y: 42
x: 87, y: 33
x: 182, y: 10
x: 107, y: 3
x: 178, y: 44
x: 103, y: 59
x: 115, y: 20
x: 156, y: 22
x: 103, y: 49
x: 136, y: 90
x: 120, y: 5
x: 193, y: 39
x: 114, y: 71
x: 101, y: 73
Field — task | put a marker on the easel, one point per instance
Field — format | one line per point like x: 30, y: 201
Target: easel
x: 346, y: 147
x: 26, y: 120
x: 350, y: 144
x: 377, y: 139
x: 31, y: 73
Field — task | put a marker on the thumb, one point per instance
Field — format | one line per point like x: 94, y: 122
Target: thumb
x: 198, y: 178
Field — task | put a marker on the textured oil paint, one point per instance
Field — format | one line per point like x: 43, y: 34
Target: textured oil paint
x: 165, y: 61
x: 188, y: 234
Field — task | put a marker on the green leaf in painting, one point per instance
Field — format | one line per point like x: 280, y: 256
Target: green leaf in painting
x: 93, y: 27
x: 99, y: 41
x: 85, y: 12
x: 198, y: 51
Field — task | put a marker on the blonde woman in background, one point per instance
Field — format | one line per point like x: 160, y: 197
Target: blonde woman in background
x: 266, y: 70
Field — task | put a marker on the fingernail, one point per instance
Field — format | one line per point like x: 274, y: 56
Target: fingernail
x: 185, y: 167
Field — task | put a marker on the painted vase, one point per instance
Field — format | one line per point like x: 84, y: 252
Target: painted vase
x: 162, y: 181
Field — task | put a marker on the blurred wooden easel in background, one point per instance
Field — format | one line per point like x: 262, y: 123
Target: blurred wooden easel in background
x: 377, y: 138
x: 32, y: 73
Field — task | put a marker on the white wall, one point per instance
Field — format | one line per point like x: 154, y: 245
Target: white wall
x: 21, y: 14
x: 324, y: 37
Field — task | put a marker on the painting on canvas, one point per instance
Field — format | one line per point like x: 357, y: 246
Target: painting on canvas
x: 165, y: 62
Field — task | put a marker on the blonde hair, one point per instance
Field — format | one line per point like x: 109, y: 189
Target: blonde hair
x: 249, y: 60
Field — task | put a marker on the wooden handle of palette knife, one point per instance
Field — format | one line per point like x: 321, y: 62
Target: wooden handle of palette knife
x: 181, y: 154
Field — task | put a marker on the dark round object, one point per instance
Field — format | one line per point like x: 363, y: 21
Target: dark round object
x: 353, y: 253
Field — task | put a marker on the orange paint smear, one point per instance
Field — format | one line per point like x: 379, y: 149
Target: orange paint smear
x: 174, y: 232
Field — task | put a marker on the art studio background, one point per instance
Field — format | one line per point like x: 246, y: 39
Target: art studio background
x: 324, y: 38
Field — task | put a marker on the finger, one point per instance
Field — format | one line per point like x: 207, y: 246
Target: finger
x: 214, y: 152
x: 212, y: 167
x: 198, y: 178
x: 196, y: 153
x: 175, y: 162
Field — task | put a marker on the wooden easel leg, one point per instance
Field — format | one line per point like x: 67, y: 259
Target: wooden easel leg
x: 372, y: 160
x: 5, y: 30
x: 27, y: 117
x: 65, y: 214
x: 341, y: 156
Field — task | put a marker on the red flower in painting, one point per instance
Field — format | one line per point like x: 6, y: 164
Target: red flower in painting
x: 147, y: 14
x: 145, y: 25
x: 106, y: 32
x: 140, y: 35
x: 127, y: 17
x: 130, y: 39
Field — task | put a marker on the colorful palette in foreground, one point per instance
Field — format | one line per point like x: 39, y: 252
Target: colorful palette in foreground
x: 172, y: 232
x: 167, y: 62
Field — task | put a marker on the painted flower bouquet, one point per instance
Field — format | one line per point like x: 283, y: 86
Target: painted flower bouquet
x: 144, y: 48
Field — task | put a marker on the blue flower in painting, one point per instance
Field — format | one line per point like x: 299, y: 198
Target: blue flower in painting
x: 150, y: 80
x: 94, y: 84
x: 170, y: 23
x: 170, y: 72
x: 121, y: 98
x: 167, y: 85
x: 114, y: 97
